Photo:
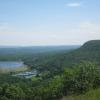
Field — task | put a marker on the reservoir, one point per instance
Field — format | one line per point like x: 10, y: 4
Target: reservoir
x: 10, y: 66
x: 15, y: 66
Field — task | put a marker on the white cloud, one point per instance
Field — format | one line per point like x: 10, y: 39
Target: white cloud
x: 72, y: 34
x: 73, y: 4
x: 90, y: 27
x: 83, y: 32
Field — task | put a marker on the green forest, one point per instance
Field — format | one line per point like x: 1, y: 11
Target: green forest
x: 63, y: 75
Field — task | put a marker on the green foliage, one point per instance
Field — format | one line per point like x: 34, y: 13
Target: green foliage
x: 91, y: 95
x: 82, y: 77
x: 56, y: 78
x: 76, y: 80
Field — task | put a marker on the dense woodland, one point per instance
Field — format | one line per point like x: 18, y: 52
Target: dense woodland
x: 62, y: 74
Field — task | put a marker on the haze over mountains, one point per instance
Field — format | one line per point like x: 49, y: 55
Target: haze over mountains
x: 34, y: 49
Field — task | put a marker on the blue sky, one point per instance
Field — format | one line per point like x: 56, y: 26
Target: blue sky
x: 49, y: 22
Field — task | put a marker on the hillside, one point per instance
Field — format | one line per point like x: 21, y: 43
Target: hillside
x: 91, y: 95
x: 90, y: 51
x: 91, y: 45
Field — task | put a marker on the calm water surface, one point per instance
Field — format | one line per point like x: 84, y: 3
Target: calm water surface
x: 11, y: 64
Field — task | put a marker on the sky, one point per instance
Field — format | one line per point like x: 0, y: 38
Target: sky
x: 49, y: 22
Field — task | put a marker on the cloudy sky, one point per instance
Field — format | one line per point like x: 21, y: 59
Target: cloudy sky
x: 49, y: 22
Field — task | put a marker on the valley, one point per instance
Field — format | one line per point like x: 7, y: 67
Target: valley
x: 55, y: 75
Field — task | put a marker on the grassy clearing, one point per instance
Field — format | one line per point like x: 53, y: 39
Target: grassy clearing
x: 35, y: 79
x: 91, y: 95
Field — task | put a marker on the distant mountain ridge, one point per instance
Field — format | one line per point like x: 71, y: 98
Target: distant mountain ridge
x: 4, y: 50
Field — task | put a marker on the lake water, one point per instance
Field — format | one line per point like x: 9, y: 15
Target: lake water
x: 11, y: 64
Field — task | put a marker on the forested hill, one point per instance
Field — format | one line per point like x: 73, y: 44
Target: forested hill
x: 90, y: 51
x: 92, y: 45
